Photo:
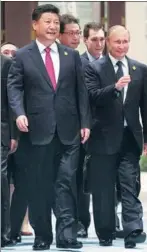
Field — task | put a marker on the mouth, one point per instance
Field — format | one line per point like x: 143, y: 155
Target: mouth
x: 120, y: 51
x: 51, y: 33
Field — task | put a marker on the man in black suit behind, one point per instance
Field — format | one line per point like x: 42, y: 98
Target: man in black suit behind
x: 54, y: 115
x: 94, y: 39
x: 117, y: 89
x: 8, y: 144
x: 70, y: 34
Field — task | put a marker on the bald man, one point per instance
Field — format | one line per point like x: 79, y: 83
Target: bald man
x: 8, y: 49
x: 117, y: 90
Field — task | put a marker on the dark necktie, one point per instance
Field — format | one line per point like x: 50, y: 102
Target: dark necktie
x: 50, y: 67
x: 120, y: 74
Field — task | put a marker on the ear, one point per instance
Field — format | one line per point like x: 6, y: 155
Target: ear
x: 84, y: 40
x: 60, y: 36
x: 34, y: 23
x: 107, y: 40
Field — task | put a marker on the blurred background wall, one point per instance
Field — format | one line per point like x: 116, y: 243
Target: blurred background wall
x: 16, y: 20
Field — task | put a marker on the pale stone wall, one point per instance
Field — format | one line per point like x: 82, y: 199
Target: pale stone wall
x: 136, y: 22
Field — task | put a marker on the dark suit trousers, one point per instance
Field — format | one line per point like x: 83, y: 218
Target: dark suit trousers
x: 66, y: 191
x: 128, y: 163
x: 5, y: 195
x: 48, y: 174
x: 40, y: 183
x: 102, y: 180
x: 118, y: 192
x: 83, y: 198
x: 17, y: 169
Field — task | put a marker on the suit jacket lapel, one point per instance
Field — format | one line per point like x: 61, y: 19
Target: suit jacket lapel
x: 37, y: 59
x: 109, y: 72
x: 132, y: 73
x: 85, y: 56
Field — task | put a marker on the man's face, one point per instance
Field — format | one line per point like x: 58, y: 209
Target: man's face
x: 118, y: 43
x: 47, y: 28
x: 95, y: 42
x: 71, y: 36
x: 8, y: 50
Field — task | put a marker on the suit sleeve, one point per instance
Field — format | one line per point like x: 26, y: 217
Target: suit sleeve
x: 13, y: 128
x: 99, y: 96
x: 143, y: 104
x: 15, y: 87
x: 83, y: 100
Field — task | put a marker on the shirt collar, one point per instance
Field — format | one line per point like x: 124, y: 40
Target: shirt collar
x: 114, y: 60
x: 91, y: 58
x: 41, y: 47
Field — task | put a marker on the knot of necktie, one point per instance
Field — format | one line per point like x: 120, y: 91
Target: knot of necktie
x: 47, y: 49
x: 119, y: 63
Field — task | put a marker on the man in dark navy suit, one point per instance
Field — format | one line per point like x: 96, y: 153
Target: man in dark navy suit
x: 117, y: 89
x: 50, y: 100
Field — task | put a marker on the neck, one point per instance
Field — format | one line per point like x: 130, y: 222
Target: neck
x: 94, y: 56
x: 46, y: 43
x: 117, y: 58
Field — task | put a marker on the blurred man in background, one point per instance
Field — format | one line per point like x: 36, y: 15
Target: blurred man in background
x: 8, y: 145
x: 17, y: 176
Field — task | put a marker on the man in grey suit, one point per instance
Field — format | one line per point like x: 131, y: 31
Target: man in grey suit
x: 117, y: 89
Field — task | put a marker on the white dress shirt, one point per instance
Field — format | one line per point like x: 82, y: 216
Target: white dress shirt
x: 125, y: 69
x: 54, y: 55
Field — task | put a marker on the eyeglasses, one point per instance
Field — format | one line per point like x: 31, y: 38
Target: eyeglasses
x: 72, y: 33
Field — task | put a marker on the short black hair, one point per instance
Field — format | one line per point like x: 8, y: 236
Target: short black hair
x: 91, y: 25
x: 8, y: 43
x: 67, y: 19
x: 39, y: 10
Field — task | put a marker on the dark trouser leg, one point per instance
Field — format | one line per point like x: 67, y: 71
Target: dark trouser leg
x: 103, y: 176
x: 131, y: 205
x: 5, y: 195
x: 83, y: 208
x: 66, y: 193
x: 19, y: 200
x: 83, y: 199
x: 138, y: 180
x: 40, y: 185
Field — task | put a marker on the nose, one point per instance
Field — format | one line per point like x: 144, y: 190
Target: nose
x: 99, y: 43
x: 52, y: 25
x: 121, y: 45
x: 75, y: 36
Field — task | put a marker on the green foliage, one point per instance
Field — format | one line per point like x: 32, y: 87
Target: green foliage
x: 143, y: 163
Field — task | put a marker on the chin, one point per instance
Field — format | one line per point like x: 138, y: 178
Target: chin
x: 51, y: 37
x: 121, y: 55
x: 74, y: 46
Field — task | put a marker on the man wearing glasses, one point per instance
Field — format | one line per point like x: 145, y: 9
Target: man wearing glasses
x: 70, y: 34
x: 70, y: 31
